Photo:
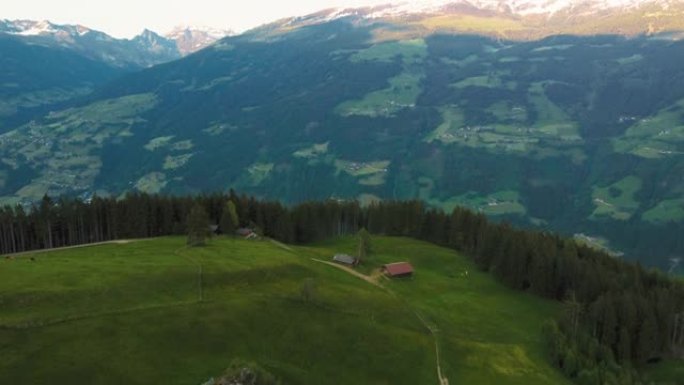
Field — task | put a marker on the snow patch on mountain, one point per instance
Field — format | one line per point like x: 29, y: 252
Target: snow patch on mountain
x: 516, y: 7
x: 189, y: 39
x: 41, y: 28
x: 216, y: 33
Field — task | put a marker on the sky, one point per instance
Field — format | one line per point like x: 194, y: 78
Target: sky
x: 127, y: 18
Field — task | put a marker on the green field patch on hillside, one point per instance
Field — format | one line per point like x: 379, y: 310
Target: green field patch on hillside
x: 258, y: 172
x: 499, y: 203
x: 657, y: 136
x: 172, y: 162
x: 113, y: 111
x: 377, y: 179
x: 9, y: 105
x: 403, y: 91
x: 314, y: 151
x: 551, y: 119
x: 215, y: 82
x: 219, y: 128
x: 559, y: 47
x: 495, y: 137
x: 630, y: 59
x: 410, y: 51
x: 208, y: 85
x: 159, y: 142
x: 62, y: 146
x: 486, y: 81
x: 468, y: 60
x: 513, y: 136
x: 367, y: 199
x: 183, y: 145
x: 152, y: 183
x: 362, y: 168
x: 506, y: 111
x: 505, y: 202
x: 618, y: 200
x: 453, y: 119
x: 670, y: 210
x: 369, y: 173
x: 33, y: 190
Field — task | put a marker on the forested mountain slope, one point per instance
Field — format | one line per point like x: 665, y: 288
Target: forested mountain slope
x: 577, y: 134
x: 34, y: 76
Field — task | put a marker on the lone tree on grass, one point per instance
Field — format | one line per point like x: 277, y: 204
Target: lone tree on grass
x: 229, y: 218
x: 364, y: 244
x: 198, y: 226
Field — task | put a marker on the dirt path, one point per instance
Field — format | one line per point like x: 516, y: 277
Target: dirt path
x: 115, y: 242
x: 374, y: 281
x: 281, y: 245
x: 433, y: 331
x: 367, y: 278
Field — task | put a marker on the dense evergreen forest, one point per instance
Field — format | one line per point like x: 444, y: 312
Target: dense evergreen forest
x: 617, y: 316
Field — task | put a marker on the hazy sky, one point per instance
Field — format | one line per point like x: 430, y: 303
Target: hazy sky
x: 126, y: 18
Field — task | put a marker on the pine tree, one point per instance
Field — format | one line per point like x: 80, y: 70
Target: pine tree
x: 364, y: 244
x: 198, y: 226
x: 229, y: 218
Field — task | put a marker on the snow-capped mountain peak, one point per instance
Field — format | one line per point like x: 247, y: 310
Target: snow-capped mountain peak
x: 193, y: 38
x: 216, y: 33
x: 514, y: 7
x: 41, y: 28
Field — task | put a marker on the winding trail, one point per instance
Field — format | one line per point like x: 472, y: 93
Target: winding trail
x: 443, y: 380
x: 353, y: 272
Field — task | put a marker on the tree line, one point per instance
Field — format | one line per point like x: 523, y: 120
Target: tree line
x: 617, y: 316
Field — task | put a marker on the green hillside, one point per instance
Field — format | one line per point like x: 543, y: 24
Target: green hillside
x: 130, y: 313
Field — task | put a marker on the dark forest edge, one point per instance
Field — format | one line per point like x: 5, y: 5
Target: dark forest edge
x: 616, y: 318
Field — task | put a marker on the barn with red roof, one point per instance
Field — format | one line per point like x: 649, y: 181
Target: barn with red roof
x: 398, y: 270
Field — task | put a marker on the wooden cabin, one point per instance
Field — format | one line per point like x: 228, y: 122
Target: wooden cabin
x: 398, y: 270
x: 345, y: 259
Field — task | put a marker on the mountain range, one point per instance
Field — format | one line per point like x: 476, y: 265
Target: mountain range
x: 567, y: 116
x: 45, y: 65
x: 514, y: 19
x: 144, y: 50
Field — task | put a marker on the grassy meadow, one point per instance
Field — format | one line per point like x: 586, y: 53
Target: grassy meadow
x: 139, y: 313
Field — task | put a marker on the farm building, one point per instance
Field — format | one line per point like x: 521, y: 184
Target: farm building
x: 345, y: 259
x: 246, y: 233
x: 398, y: 270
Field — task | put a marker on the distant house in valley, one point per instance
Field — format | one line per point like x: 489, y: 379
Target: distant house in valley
x: 246, y: 233
x: 345, y: 259
x: 398, y: 270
